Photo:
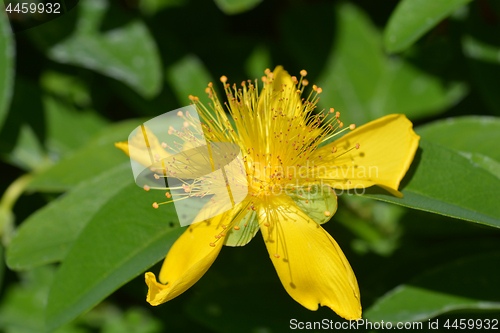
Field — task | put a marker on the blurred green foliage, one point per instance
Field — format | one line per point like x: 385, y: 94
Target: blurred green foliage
x: 77, y: 233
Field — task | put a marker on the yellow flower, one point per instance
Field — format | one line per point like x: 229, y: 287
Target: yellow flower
x: 291, y: 177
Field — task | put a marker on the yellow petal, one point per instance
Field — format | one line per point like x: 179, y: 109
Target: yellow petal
x: 186, y: 262
x: 281, y: 81
x: 138, y: 149
x: 193, y: 253
x: 311, y: 265
x: 386, y: 149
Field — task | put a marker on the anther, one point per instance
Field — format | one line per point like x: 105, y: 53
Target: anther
x: 267, y: 224
x: 320, y: 90
x: 155, y: 205
x: 236, y: 228
x: 212, y: 244
x: 305, y: 82
x: 303, y: 72
x: 357, y: 145
x: 168, y: 195
x: 352, y: 126
x: 327, y: 213
x: 223, y: 79
x: 331, y: 110
x: 146, y: 188
x: 276, y: 255
x: 179, y: 113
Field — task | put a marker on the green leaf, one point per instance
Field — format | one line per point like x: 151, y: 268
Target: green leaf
x: 128, y: 54
x: 28, y: 153
x: 97, y: 156
x: 466, y: 284
x: 47, y: 235
x: 187, y: 77
x: 2, y: 265
x: 474, y: 134
x: 133, y: 320
x: 413, y: 18
x: 258, y: 61
x: 361, y: 82
x: 70, y: 88
x: 481, y: 48
x: 232, y: 7
x: 483, y: 161
x: 61, y: 126
x: 151, y: 7
x: 22, y: 307
x: 7, y: 54
x: 442, y: 181
x: 67, y: 128
x: 474, y: 137
x: 122, y: 240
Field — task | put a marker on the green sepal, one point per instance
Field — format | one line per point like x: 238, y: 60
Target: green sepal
x: 249, y: 225
x: 316, y: 201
